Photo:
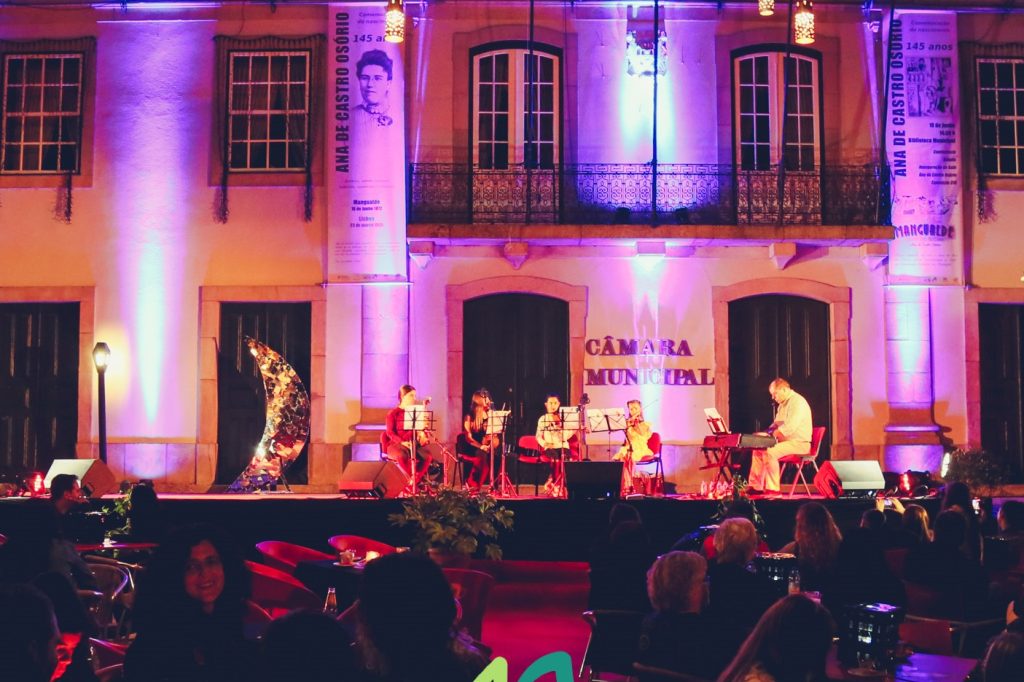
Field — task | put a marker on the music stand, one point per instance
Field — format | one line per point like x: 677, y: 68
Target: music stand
x: 606, y: 420
x: 570, y: 423
x: 417, y: 419
x: 495, y: 426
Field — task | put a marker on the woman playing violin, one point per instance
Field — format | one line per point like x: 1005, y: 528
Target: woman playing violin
x: 638, y: 432
x: 474, y: 444
x: 398, y: 440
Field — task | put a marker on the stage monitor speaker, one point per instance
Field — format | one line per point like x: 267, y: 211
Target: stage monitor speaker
x: 593, y: 480
x: 380, y: 480
x: 93, y: 475
x: 849, y: 479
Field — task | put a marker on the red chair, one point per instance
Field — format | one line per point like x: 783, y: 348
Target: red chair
x: 471, y: 590
x: 106, y: 653
x: 359, y: 545
x: 530, y: 452
x: 255, y: 620
x: 277, y: 592
x: 112, y: 673
x: 937, y: 609
x: 285, y: 556
x: 817, y: 434
x: 896, y: 561
x: 658, y: 479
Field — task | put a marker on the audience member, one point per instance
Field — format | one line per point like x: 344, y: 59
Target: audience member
x: 677, y: 636
x: 987, y: 517
x: 189, y: 610
x: 1004, y: 660
x: 789, y: 644
x: 66, y: 493
x: 958, y: 497
x: 861, y: 574
x: 618, y: 570
x: 406, y: 614
x: 35, y: 545
x: 873, y: 520
x: 29, y: 638
x: 146, y: 522
x: 740, y: 508
x: 736, y: 592
x: 816, y: 546
x: 76, y: 625
x: 308, y: 646
x: 944, y: 566
x: 917, y: 523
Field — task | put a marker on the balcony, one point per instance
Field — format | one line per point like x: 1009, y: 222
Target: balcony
x: 610, y: 194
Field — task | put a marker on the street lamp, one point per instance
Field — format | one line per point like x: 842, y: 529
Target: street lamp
x: 101, y: 358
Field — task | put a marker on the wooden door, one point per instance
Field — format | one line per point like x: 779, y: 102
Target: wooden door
x: 778, y: 336
x: 241, y: 414
x: 1001, y: 345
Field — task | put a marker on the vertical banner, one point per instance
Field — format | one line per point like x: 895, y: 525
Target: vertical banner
x: 366, y: 133
x: 923, y: 139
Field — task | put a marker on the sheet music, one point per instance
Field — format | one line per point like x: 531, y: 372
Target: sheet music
x: 715, y: 421
x: 607, y: 419
x: 417, y: 418
x: 496, y: 420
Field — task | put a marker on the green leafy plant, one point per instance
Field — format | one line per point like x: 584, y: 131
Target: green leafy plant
x: 455, y: 521
x: 978, y: 469
x: 740, y: 489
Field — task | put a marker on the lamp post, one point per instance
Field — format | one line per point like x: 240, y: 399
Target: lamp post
x: 101, y: 358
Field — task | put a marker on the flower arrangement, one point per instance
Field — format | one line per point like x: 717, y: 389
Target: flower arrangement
x: 455, y: 522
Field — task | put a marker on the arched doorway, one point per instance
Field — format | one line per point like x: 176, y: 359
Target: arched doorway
x: 517, y: 346
x: 778, y: 336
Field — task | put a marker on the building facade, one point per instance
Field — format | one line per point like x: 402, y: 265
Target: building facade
x: 674, y: 204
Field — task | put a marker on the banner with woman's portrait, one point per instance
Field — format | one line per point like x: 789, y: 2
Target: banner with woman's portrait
x: 366, y: 139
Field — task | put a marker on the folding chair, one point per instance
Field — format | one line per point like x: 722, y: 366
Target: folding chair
x: 612, y: 644
x: 817, y: 434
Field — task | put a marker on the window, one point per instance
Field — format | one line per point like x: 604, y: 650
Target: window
x: 1001, y: 115
x: 269, y: 110
x: 762, y: 90
x: 508, y: 85
x: 42, y: 113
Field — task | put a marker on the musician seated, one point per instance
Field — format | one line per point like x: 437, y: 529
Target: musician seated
x: 791, y: 428
x: 638, y: 433
x: 399, y: 440
x: 554, y: 438
x: 474, y: 444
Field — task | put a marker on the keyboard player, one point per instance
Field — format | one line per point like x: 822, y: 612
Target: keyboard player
x: 791, y: 428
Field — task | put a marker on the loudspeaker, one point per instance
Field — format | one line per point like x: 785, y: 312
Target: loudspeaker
x: 93, y: 474
x: 379, y: 480
x: 849, y: 479
x: 593, y: 480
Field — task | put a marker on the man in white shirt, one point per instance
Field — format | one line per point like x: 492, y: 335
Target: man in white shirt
x: 792, y: 428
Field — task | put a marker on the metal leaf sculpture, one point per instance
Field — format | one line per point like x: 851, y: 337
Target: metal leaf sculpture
x: 287, y: 428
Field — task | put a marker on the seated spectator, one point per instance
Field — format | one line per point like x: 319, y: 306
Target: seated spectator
x: 894, y: 535
x: 917, y: 523
x: 987, y: 517
x: 789, y: 643
x: 66, y: 493
x: 29, y: 637
x: 958, y: 498
x: 189, y: 610
x: 861, y: 575
x: 405, y: 617
x: 736, y: 592
x: 1004, y: 660
x: 873, y: 520
x: 618, y: 570
x: 943, y: 564
x: 1011, y: 519
x: 35, y: 546
x: 145, y: 521
x: 306, y: 645
x: 677, y: 636
x: 76, y: 625
x: 739, y: 508
x: 816, y: 546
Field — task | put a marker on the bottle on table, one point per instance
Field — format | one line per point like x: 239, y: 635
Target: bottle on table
x: 331, y: 603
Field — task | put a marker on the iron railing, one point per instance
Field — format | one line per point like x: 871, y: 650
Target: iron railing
x: 708, y: 194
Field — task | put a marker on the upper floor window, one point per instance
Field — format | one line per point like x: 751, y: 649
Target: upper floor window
x: 516, y: 109
x: 1001, y: 115
x: 269, y: 110
x: 763, y: 90
x: 41, y: 125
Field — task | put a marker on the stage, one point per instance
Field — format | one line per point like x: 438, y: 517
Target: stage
x: 545, y: 529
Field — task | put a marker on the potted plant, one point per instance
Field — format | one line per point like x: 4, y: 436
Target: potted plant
x: 454, y: 525
x: 983, y: 472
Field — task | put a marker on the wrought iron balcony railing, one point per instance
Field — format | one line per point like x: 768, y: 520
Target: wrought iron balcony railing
x: 707, y: 194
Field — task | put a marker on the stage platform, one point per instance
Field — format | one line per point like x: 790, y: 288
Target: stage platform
x: 545, y: 529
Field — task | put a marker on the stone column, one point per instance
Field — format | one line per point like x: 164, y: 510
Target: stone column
x: 911, y: 436
x: 385, y: 361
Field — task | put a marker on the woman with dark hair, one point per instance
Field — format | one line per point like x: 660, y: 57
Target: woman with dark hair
x: 789, y: 644
x: 1004, y: 659
x: 145, y: 518
x: 917, y: 524
x: 816, y: 546
x: 405, y: 618
x: 309, y: 646
x: 958, y: 498
x: 474, y: 444
x: 189, y: 609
